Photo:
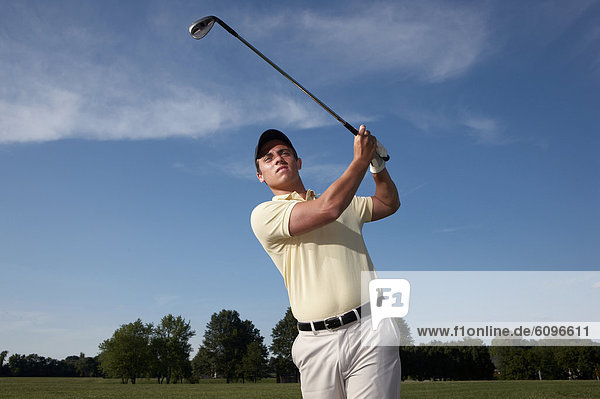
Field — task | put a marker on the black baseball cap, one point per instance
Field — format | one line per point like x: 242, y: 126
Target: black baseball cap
x: 268, y: 135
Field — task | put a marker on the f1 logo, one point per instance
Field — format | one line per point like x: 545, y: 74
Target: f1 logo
x: 389, y: 297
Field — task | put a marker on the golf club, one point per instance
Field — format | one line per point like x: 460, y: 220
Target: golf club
x: 201, y: 27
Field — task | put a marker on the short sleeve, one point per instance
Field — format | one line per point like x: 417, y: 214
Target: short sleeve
x: 363, y: 207
x: 270, y: 223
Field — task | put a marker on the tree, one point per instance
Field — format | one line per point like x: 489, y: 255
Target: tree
x: 468, y: 359
x: 284, y: 333
x: 481, y: 366
x: 226, y: 339
x: 578, y: 362
x: 17, y: 365
x: 203, y: 364
x: 3, y: 369
x: 33, y: 365
x: 159, y: 358
x: 171, y: 349
x: 254, y: 362
x: 516, y: 362
x: 86, y: 366
x: 127, y: 353
x: 406, y: 338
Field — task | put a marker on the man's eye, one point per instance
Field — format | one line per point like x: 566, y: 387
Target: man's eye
x: 286, y: 152
x: 267, y: 159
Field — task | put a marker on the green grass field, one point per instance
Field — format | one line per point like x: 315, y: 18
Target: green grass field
x: 96, y: 388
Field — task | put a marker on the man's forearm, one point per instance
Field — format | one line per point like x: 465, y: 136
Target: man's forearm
x: 386, y: 194
x: 340, y: 193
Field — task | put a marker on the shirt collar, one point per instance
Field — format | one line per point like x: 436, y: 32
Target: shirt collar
x: 310, y: 195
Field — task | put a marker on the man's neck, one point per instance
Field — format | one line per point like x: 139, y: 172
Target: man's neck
x: 299, y: 188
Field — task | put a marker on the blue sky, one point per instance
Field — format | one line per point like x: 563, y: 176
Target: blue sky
x: 126, y: 169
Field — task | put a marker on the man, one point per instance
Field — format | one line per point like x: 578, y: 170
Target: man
x: 317, y: 245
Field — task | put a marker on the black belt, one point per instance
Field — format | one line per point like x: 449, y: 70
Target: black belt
x: 331, y: 323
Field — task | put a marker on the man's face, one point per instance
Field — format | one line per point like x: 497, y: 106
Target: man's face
x: 277, y: 164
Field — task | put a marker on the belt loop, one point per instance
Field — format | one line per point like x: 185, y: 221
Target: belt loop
x: 356, y: 313
x: 312, y: 326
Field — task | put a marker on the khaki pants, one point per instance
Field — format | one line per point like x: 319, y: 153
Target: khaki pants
x: 334, y: 365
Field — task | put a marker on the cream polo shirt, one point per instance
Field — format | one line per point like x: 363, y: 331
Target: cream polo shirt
x: 322, y: 268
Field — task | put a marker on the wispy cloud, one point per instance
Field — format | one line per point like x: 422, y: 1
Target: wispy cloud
x: 425, y: 118
x: 18, y: 320
x: 406, y: 192
x: 52, y: 111
x: 55, y: 334
x: 445, y: 230
x: 238, y: 170
x: 596, y: 285
x: 322, y: 173
x: 552, y: 18
x: 485, y: 130
x: 166, y: 299
x: 590, y: 45
x: 430, y: 41
x: 312, y: 171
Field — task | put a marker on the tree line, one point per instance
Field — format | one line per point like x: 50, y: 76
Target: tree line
x: 432, y: 362
x: 470, y: 359
x: 33, y: 365
x: 233, y: 349
x: 547, y: 362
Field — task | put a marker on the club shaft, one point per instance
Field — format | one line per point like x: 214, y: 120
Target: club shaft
x: 348, y: 126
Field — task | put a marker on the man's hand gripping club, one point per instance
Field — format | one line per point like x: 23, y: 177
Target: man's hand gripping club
x: 378, y: 161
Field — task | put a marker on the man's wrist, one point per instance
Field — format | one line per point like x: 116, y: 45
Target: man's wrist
x: 377, y: 164
x: 376, y: 171
x: 361, y: 163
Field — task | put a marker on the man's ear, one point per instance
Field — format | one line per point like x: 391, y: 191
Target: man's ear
x: 299, y: 163
x: 260, y: 177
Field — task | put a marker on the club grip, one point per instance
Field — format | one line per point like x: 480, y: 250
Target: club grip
x: 351, y: 128
x: 355, y: 132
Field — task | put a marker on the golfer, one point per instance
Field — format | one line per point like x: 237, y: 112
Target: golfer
x: 317, y: 245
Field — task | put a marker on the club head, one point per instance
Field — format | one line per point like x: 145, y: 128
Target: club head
x: 201, y: 27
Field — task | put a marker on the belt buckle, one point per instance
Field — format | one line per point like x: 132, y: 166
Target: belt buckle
x: 333, y: 322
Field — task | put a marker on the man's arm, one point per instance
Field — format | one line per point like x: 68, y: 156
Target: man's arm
x: 385, y: 200
x: 309, y: 215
